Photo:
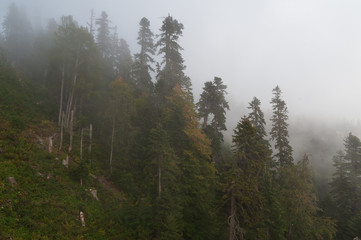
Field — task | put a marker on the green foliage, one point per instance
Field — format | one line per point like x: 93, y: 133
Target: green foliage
x: 172, y: 71
x: 279, y: 132
x: 346, y: 188
x: 143, y: 59
x: 212, y: 103
x: 163, y: 183
x: 256, y: 117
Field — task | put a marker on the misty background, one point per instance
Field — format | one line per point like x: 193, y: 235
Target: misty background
x: 311, y: 49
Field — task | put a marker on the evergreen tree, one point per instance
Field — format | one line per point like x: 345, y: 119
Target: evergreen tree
x: 346, y: 188
x: 75, y: 66
x: 167, y: 207
x: 246, y: 216
x: 124, y: 61
x: 299, y: 203
x: 197, y: 179
x: 103, y: 36
x: 17, y: 31
x: 279, y: 131
x: 143, y: 59
x: 213, y: 103
x: 120, y: 108
x: 171, y: 70
x: 256, y: 117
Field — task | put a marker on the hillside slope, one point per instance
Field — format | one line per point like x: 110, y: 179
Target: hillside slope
x: 39, y: 197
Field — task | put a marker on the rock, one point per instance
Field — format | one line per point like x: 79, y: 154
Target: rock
x: 12, y: 181
x: 93, y: 192
x: 66, y: 162
x: 81, y: 214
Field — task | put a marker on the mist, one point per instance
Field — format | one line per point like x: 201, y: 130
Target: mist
x: 310, y: 49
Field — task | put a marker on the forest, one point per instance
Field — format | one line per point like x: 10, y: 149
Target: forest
x: 79, y: 111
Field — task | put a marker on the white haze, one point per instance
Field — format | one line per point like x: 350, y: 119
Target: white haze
x: 311, y: 49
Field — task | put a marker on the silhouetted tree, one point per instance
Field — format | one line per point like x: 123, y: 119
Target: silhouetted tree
x: 103, y: 36
x: 143, y: 59
x: 279, y: 131
x: 213, y: 103
x: 171, y: 70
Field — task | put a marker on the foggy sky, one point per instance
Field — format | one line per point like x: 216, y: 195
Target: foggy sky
x: 311, y: 49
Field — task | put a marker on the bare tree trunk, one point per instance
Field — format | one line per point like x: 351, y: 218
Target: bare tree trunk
x: 90, y: 142
x: 61, y: 130
x: 111, y: 147
x: 159, y: 180
x: 61, y: 95
x: 81, y: 144
x: 205, y: 120
x: 232, y: 220
x: 71, y: 97
x: 71, y: 131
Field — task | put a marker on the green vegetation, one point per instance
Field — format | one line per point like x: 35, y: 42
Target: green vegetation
x: 85, y: 132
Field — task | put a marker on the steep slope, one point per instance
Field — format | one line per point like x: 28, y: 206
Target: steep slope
x: 39, y: 197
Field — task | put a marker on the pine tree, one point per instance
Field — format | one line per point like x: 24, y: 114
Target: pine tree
x: 213, y: 103
x: 123, y: 61
x: 346, y: 188
x: 143, y: 59
x: 171, y: 70
x: 167, y: 207
x: 103, y: 36
x: 246, y: 216
x: 197, y: 179
x: 299, y: 203
x: 256, y: 117
x: 279, y: 131
x: 17, y: 31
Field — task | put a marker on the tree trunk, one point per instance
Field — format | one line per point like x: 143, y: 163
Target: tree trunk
x: 231, y: 219
x: 159, y: 180
x: 71, y: 97
x: 90, y: 138
x: 71, y: 131
x: 81, y: 144
x: 61, y: 130
x: 205, y: 120
x: 111, y: 147
x: 61, y: 95
x: 90, y: 142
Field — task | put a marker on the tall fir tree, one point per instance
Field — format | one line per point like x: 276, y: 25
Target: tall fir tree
x: 197, y: 179
x: 103, y: 38
x: 346, y: 188
x: 171, y: 70
x: 143, y: 60
x: 246, y: 215
x: 167, y: 200
x: 301, y: 213
x: 212, y: 103
x: 256, y: 117
x: 18, y: 40
x: 279, y: 131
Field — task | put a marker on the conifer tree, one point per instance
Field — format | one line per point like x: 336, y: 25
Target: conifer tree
x: 213, y: 103
x: 103, y: 36
x: 17, y: 31
x: 197, y: 179
x: 346, y: 188
x: 279, y: 131
x: 243, y: 184
x: 171, y: 70
x: 143, y: 60
x: 299, y: 203
x: 256, y: 117
x: 167, y: 207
